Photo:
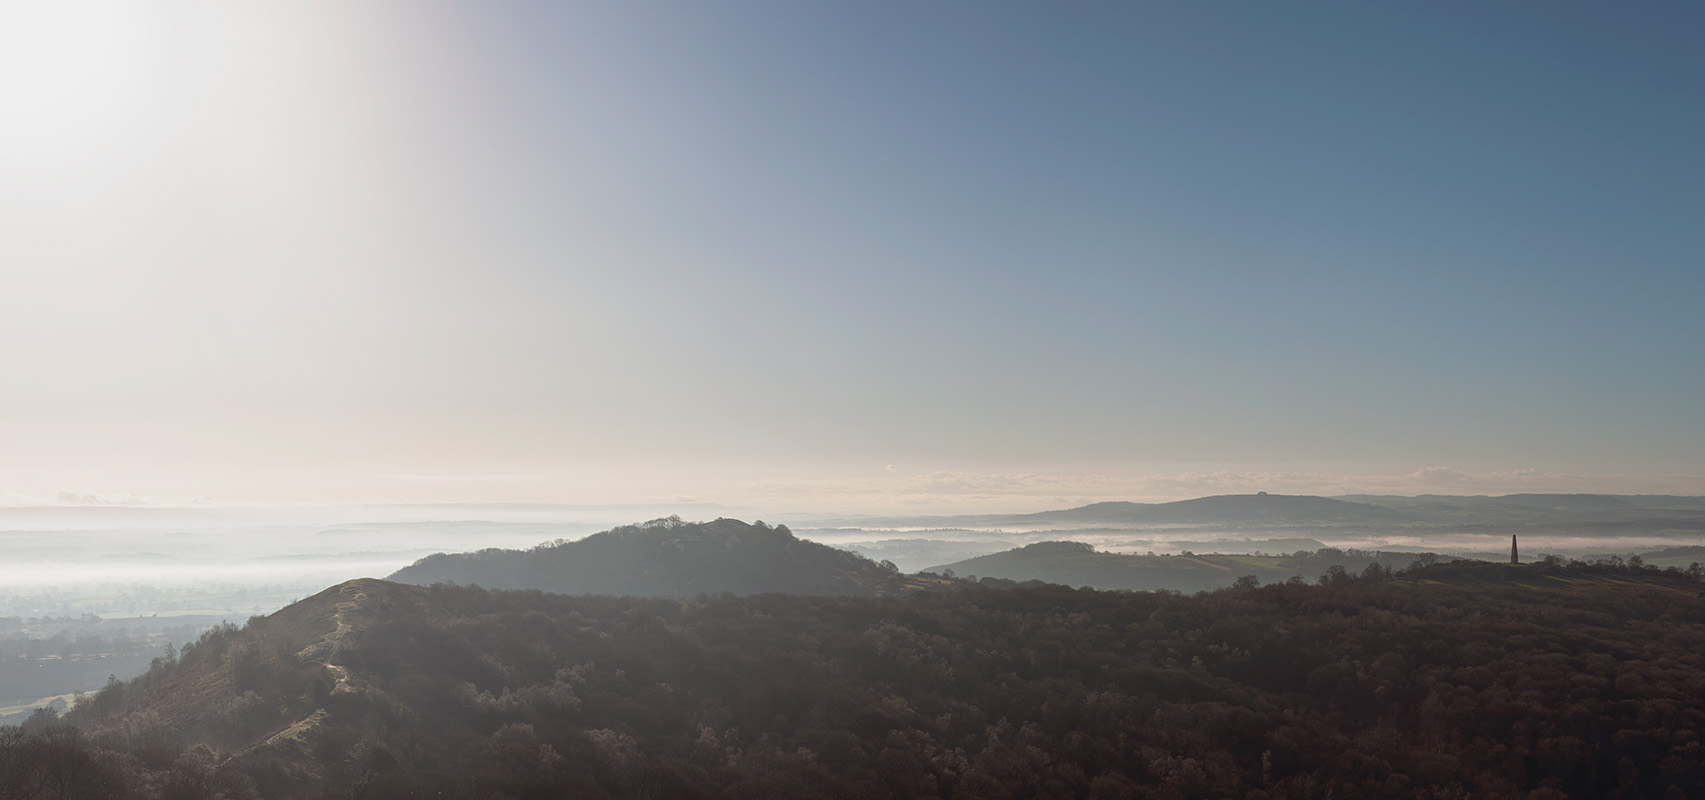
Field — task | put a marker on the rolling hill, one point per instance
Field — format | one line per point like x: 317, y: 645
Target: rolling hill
x: 667, y: 558
x: 1576, y: 510
x: 1078, y: 564
x: 1581, y: 512
x: 1232, y: 509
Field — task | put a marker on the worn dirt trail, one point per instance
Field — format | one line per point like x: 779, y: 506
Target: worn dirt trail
x: 326, y: 651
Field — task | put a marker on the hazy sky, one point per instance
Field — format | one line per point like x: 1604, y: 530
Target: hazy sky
x: 848, y: 256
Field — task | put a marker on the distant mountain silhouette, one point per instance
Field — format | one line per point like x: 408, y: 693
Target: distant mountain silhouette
x: 1229, y: 509
x: 1255, y: 510
x: 1582, y: 513
x: 1566, y: 502
x: 667, y: 558
x: 1576, y: 510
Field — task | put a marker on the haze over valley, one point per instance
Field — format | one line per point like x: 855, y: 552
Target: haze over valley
x: 856, y: 400
x: 157, y: 576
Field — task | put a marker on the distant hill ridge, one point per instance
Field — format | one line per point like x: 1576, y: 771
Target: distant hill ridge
x: 667, y: 558
x: 1260, y: 509
x: 1230, y: 509
x: 1263, y: 510
x: 1533, y: 508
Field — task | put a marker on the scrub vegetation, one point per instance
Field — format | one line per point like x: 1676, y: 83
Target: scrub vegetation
x: 1546, y: 680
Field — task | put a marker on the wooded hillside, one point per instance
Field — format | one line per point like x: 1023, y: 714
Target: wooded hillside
x: 1456, y: 680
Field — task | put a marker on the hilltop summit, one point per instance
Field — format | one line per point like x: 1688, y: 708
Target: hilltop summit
x: 667, y: 558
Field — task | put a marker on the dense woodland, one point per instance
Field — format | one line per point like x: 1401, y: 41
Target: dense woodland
x: 1454, y: 680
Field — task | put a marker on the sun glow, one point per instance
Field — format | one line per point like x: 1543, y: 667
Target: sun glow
x: 73, y: 77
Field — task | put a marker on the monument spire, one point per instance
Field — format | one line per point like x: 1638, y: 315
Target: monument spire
x: 1513, y: 558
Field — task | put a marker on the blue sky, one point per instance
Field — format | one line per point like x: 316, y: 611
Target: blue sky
x: 827, y: 254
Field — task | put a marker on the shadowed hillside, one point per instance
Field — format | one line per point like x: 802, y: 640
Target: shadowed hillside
x: 1456, y: 680
x: 667, y: 558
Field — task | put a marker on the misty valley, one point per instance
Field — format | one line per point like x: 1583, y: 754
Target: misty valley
x: 1242, y: 645
x: 757, y: 400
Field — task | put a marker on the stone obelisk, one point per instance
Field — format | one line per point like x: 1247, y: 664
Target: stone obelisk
x: 1513, y: 558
